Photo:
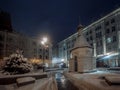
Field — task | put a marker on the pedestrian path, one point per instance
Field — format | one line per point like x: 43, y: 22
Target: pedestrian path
x: 93, y: 81
x: 63, y: 83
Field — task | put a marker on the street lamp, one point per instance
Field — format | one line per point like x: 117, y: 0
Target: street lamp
x: 44, y: 40
x: 44, y: 43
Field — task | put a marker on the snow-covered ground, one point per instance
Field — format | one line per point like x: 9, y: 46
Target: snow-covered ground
x: 92, y: 81
x: 40, y: 84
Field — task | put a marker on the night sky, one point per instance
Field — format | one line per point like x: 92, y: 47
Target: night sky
x: 56, y: 18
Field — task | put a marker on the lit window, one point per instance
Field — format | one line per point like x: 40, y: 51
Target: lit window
x: 109, y: 40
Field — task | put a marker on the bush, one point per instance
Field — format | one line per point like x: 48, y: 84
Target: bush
x: 17, y: 64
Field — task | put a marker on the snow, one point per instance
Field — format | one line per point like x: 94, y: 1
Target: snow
x: 8, y: 79
x: 43, y: 84
x: 81, y: 42
x: 40, y: 84
x: 113, y: 80
x: 25, y: 80
x: 7, y: 87
x: 114, y: 68
x: 92, y: 81
x: 16, y: 64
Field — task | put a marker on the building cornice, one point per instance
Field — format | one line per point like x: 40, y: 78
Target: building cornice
x: 101, y: 19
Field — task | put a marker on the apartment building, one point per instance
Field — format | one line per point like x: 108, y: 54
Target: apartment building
x: 10, y: 41
x: 103, y: 35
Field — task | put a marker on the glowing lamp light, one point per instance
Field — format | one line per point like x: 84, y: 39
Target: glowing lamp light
x: 45, y: 39
x: 42, y: 42
x: 107, y: 57
x: 62, y: 60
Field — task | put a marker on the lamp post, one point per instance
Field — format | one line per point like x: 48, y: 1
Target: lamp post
x: 44, y: 44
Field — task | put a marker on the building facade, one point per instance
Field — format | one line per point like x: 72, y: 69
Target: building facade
x: 103, y: 35
x: 10, y: 41
x: 65, y: 46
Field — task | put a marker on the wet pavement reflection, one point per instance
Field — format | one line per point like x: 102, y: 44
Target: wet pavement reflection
x: 63, y: 83
x: 60, y: 81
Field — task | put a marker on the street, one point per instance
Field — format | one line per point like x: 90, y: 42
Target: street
x: 62, y: 82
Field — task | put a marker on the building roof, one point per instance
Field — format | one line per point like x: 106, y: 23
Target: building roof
x: 94, y: 23
x: 81, y: 42
x: 99, y: 20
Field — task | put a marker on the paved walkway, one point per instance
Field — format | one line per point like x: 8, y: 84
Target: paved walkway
x: 63, y: 83
x: 92, y: 81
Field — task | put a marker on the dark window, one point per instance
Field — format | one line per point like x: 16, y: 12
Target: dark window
x: 112, y: 20
x: 40, y: 46
x: 1, y: 52
x: 10, y: 40
x: 87, y: 33
x: 34, y: 43
x: 108, y: 30
x: 64, y: 48
x: 72, y: 45
x: 99, y: 51
x: 68, y: 46
x: 91, y: 44
x: 72, y: 40
x: 1, y: 38
x: 40, y: 50
x: 46, y: 50
x: 113, y: 28
x: 87, y: 39
x: 1, y: 45
x: 107, y: 23
x: 98, y: 35
x: 40, y: 57
x: 114, y: 38
x: 91, y: 38
x: 90, y: 32
x: 35, y: 50
x: 75, y: 39
x: 97, y: 28
x: 97, y: 44
x: 109, y: 48
x: 46, y: 57
x: 114, y: 49
x: 100, y: 42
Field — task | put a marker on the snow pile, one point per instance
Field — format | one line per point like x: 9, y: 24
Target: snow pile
x: 94, y: 81
x: 112, y: 80
x: 17, y: 64
x: 25, y: 80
